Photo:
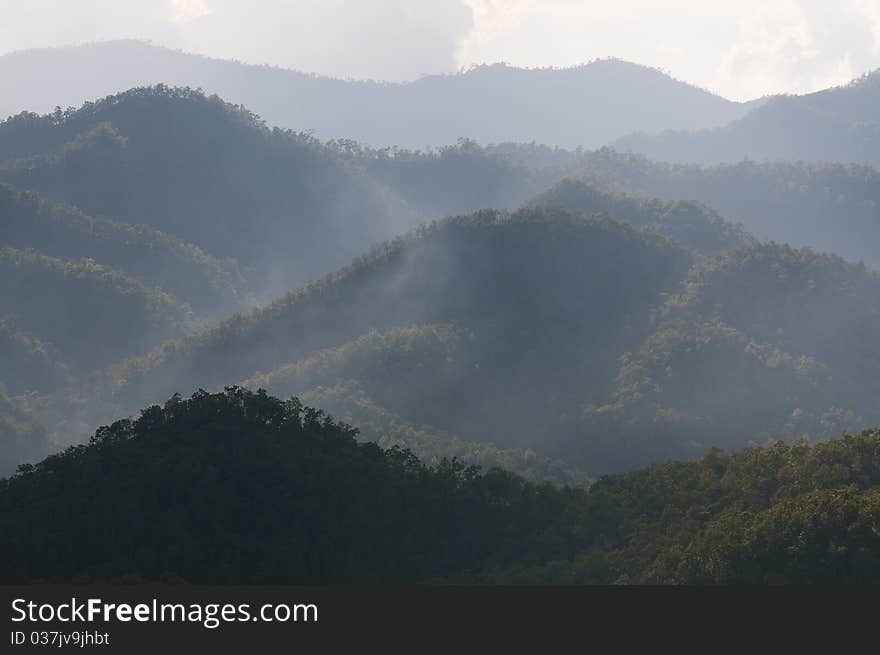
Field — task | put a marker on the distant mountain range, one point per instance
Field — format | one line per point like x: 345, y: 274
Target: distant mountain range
x: 587, y: 106
x: 840, y: 125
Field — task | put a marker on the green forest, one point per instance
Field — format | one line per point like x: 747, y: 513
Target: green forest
x: 241, y: 487
x: 310, y: 360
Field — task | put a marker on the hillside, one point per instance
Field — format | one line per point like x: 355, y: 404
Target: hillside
x: 834, y: 125
x: 526, y: 284
x: 828, y: 207
x: 284, y: 205
x: 763, y: 342
x: 275, y: 201
x: 396, y: 385
x: 209, y: 285
x: 241, y: 488
x: 689, y: 223
x: 594, y: 344
x: 89, y: 314
x: 588, y: 105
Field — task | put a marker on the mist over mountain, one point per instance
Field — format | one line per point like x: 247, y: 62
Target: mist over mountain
x: 478, y: 271
x: 160, y: 260
x: 581, y: 338
x: 93, y: 315
x: 532, y: 351
x: 829, y: 207
x: 587, y: 106
x: 834, y: 125
x: 689, y: 223
x: 278, y: 207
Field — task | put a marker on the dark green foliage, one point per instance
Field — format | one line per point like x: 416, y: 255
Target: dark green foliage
x: 689, y: 223
x: 788, y: 514
x: 88, y: 313
x: 209, y: 285
x: 241, y: 487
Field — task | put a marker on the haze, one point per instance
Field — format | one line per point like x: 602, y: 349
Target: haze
x: 740, y: 50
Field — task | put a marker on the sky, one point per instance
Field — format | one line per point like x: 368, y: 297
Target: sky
x: 741, y: 50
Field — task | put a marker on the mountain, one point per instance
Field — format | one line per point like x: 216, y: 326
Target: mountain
x: 829, y: 207
x: 238, y: 487
x: 527, y: 285
x: 763, y: 342
x: 396, y: 385
x: 593, y: 344
x: 158, y: 259
x: 689, y: 223
x: 241, y: 487
x: 834, y: 125
x: 286, y: 207
x: 588, y: 105
x: 89, y: 314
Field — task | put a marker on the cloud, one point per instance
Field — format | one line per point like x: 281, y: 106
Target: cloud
x: 742, y: 49
x: 184, y: 11
x: 801, y: 46
x: 379, y: 39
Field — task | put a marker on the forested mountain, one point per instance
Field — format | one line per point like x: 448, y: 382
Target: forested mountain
x: 452, y: 179
x: 586, y: 106
x: 275, y: 201
x: 547, y: 340
x: 580, y: 338
x: 89, y: 314
x: 526, y: 285
x: 285, y: 206
x: 834, y: 125
x: 160, y: 260
x: 829, y: 207
x: 239, y: 487
x: 764, y: 341
x: 689, y: 223
x: 556, y: 316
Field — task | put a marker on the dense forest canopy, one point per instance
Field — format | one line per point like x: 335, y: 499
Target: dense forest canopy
x: 240, y: 487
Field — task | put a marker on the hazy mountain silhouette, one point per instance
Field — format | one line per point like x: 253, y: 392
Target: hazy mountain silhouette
x: 588, y: 105
x: 834, y: 125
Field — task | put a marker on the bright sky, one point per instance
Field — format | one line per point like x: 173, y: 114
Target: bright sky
x: 740, y: 49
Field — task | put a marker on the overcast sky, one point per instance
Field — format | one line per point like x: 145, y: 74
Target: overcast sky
x: 740, y: 49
